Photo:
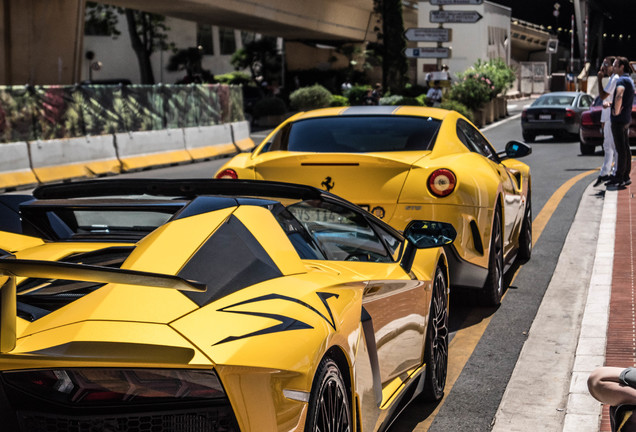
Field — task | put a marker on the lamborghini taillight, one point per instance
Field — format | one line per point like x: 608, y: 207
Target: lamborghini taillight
x: 88, y: 386
x: 442, y: 182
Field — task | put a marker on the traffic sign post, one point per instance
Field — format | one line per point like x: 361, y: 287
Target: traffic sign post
x: 428, y: 34
x: 425, y: 52
x: 456, y: 2
x: 444, y: 16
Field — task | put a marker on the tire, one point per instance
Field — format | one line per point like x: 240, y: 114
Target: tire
x: 493, y: 288
x: 436, y: 351
x: 528, y: 137
x: 525, y: 236
x: 329, y: 401
x: 587, y: 150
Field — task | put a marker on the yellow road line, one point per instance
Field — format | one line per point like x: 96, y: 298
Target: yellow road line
x: 465, y: 340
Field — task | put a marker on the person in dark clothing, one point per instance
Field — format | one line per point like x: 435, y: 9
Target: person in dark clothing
x: 621, y: 117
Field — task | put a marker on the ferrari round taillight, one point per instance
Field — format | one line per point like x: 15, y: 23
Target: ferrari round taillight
x: 114, y: 385
x: 228, y: 173
x: 442, y: 182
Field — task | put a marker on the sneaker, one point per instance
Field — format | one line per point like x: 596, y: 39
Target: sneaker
x: 628, y: 182
x: 599, y: 180
x: 612, y: 181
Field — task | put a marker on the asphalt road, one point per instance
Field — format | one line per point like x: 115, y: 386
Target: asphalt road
x: 473, y: 399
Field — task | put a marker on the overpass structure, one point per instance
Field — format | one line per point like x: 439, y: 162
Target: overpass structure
x: 42, y: 40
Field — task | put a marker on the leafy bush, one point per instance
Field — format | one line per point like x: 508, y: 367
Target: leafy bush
x: 337, y: 100
x: 496, y: 70
x: 235, y: 77
x: 414, y: 90
x: 358, y: 94
x: 269, y: 106
x: 473, y: 89
x: 399, y: 100
x: 453, y: 105
x: 308, y: 98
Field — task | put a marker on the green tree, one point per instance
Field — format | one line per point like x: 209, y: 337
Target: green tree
x: 262, y: 58
x: 148, y: 32
x: 391, y: 44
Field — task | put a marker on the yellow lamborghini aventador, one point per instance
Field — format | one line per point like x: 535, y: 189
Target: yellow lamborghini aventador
x: 410, y: 163
x: 214, y: 305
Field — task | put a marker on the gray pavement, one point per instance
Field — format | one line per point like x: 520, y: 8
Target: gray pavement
x: 548, y: 390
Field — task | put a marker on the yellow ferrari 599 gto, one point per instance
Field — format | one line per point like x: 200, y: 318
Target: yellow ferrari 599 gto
x: 214, y: 305
x: 409, y: 163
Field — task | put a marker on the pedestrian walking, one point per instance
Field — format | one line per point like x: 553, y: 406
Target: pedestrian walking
x: 621, y: 116
x: 608, y: 169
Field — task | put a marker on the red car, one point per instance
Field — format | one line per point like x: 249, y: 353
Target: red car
x: 591, y: 132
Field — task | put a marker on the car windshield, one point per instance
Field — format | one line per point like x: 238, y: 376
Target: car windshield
x: 554, y: 100
x: 356, y: 134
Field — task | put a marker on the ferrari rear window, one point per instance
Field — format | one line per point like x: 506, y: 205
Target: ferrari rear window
x: 357, y: 134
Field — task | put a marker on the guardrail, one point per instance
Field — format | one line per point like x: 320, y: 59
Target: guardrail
x: 24, y: 164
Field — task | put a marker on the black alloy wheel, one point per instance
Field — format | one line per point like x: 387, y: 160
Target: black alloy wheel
x: 493, y: 289
x: 525, y: 237
x: 436, y: 354
x: 329, y: 406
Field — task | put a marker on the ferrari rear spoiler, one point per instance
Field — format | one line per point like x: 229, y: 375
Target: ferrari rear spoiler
x: 12, y: 268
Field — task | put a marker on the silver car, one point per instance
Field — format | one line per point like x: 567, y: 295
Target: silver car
x: 557, y: 114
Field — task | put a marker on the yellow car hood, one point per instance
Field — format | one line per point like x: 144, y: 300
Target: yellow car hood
x: 376, y: 177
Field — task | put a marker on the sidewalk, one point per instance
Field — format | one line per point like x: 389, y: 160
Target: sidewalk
x: 586, y: 319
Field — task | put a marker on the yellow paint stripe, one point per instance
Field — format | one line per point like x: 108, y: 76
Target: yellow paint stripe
x: 463, y: 344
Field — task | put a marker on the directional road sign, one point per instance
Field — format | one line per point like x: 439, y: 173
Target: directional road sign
x: 428, y: 34
x: 456, y: 2
x: 439, y: 52
x: 446, y: 16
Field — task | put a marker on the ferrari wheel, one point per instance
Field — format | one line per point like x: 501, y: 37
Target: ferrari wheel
x: 436, y: 354
x: 493, y: 289
x: 525, y: 237
x: 329, y: 407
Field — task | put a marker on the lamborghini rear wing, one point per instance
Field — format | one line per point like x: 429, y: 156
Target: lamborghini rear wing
x: 12, y: 268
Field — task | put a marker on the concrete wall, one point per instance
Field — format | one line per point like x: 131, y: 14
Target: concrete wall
x: 120, y: 61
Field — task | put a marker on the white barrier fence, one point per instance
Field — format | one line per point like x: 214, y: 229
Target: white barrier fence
x: 28, y: 163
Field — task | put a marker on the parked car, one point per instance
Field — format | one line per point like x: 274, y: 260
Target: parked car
x: 591, y: 132
x: 211, y: 305
x: 407, y: 163
x: 557, y: 114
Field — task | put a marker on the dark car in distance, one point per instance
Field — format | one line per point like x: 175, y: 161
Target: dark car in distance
x: 591, y: 131
x: 557, y: 114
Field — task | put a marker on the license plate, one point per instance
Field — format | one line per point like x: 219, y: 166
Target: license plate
x: 545, y: 117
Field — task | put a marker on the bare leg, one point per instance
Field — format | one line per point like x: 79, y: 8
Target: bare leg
x: 605, y: 386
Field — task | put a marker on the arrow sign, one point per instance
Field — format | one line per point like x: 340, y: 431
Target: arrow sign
x: 440, y: 52
x: 456, y: 2
x: 428, y: 34
x: 444, y: 16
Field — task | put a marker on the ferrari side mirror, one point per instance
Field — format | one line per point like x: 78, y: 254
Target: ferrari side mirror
x: 515, y: 149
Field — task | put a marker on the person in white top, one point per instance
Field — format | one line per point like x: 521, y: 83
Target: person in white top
x: 434, y: 95
x: 608, y: 169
